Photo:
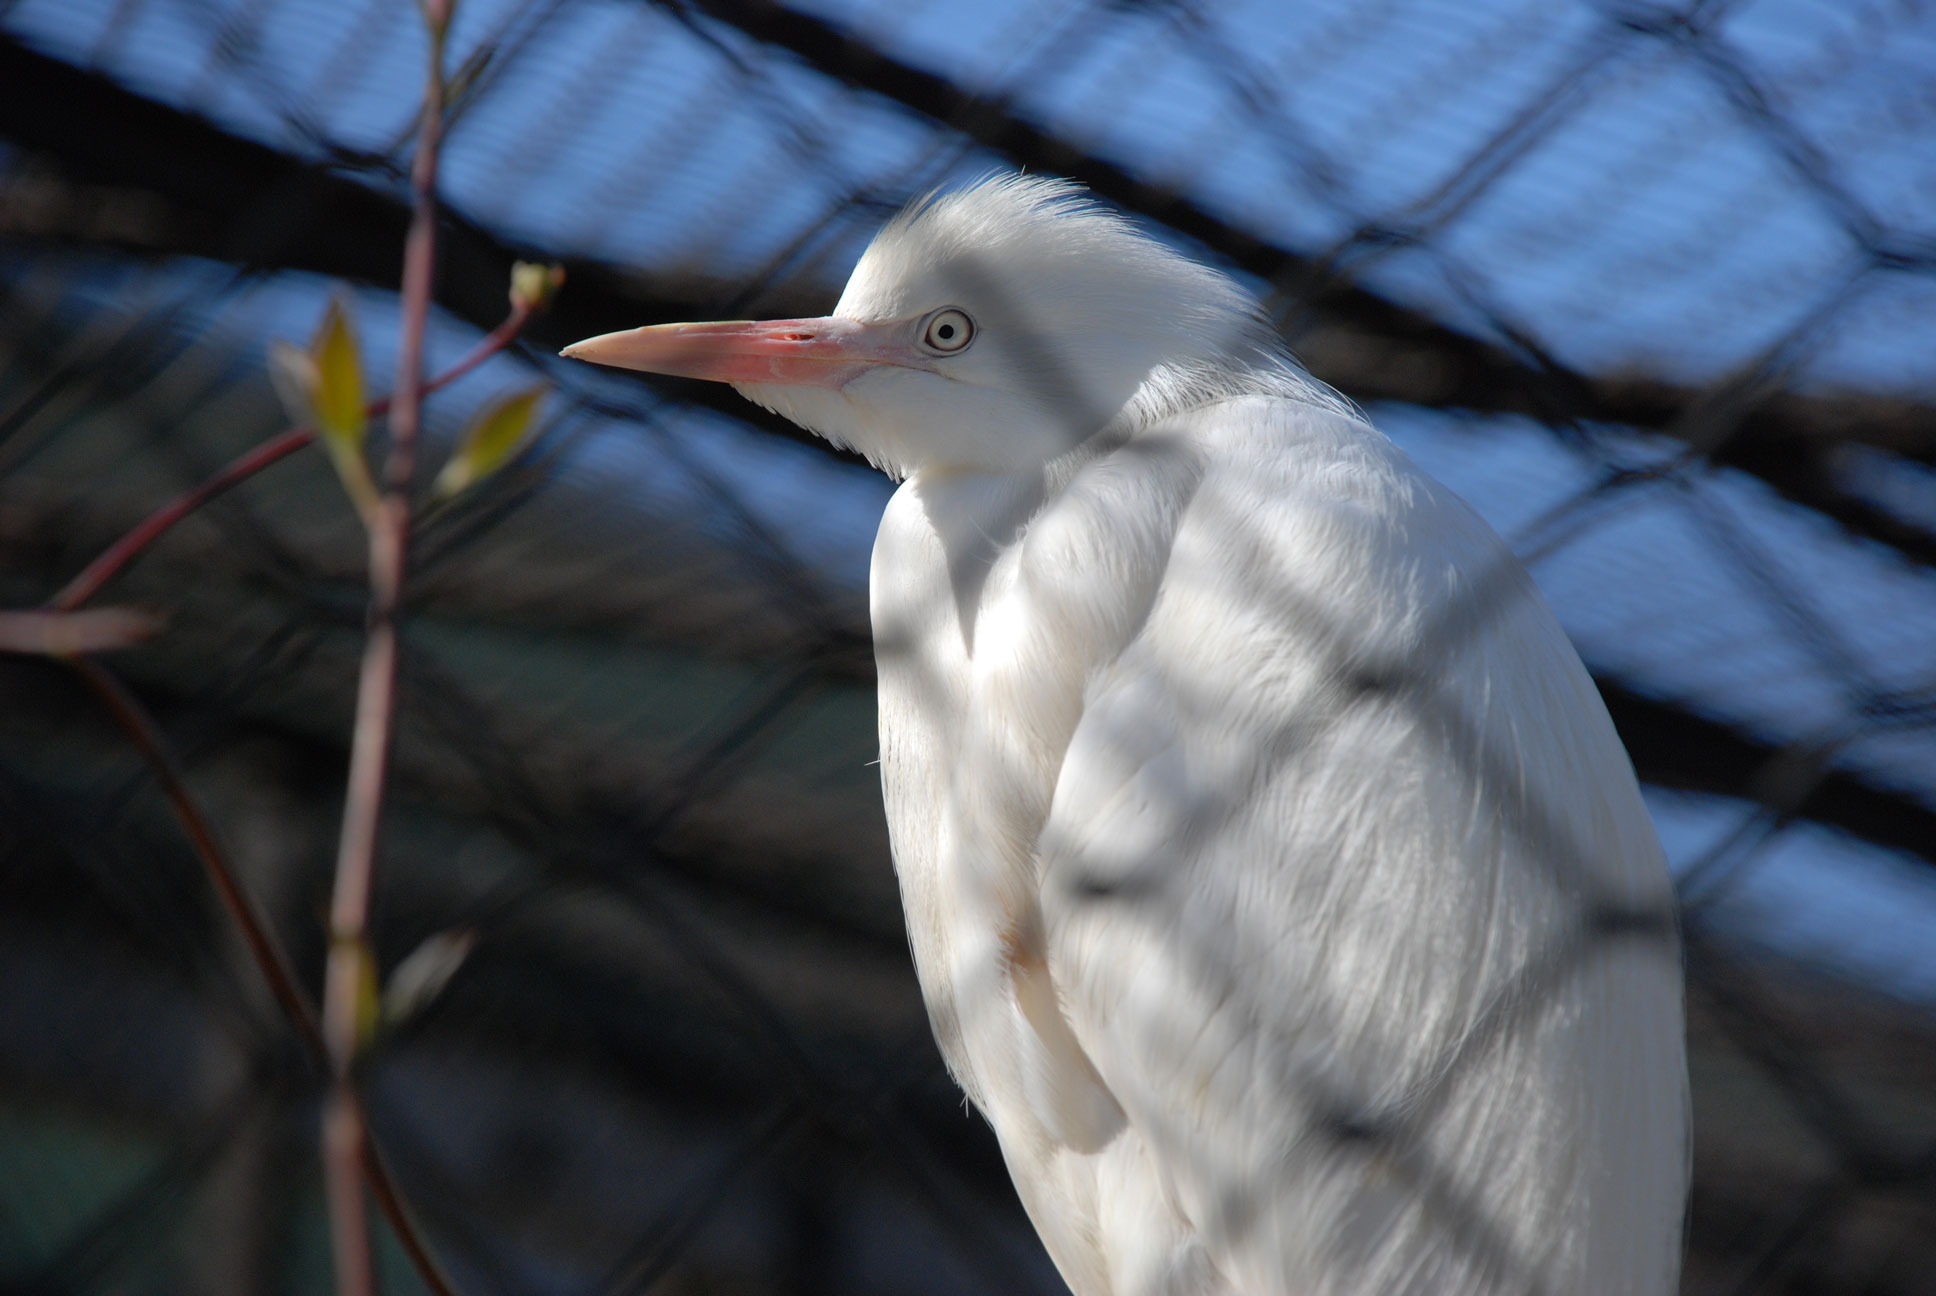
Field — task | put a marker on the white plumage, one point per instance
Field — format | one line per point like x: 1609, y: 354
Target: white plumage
x: 1277, y: 884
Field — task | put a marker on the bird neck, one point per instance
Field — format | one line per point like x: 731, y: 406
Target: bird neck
x: 976, y: 515
x: 1176, y: 388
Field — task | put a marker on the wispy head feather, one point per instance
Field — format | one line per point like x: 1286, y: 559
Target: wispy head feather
x: 1079, y: 324
x: 1070, y: 276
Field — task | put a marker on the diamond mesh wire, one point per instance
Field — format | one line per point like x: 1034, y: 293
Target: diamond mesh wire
x: 1650, y: 285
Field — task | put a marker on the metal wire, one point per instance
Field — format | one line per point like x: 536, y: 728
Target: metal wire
x: 686, y: 1053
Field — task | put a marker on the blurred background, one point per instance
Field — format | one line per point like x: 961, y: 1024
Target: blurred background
x: 1653, y: 286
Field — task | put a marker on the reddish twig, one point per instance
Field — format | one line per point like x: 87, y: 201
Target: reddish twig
x: 124, y: 551
x: 257, y: 935
x: 116, y: 557
x: 346, y: 984
x: 384, y: 1189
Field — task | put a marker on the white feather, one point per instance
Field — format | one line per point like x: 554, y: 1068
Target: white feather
x: 1219, y: 830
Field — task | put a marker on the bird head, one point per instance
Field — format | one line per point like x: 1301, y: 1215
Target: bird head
x: 992, y: 328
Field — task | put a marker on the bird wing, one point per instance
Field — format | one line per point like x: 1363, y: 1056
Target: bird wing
x: 1346, y: 890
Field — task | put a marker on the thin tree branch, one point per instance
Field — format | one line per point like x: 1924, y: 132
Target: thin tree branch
x: 259, y: 937
x: 118, y: 556
x: 383, y: 1187
x: 256, y: 933
x: 347, y: 982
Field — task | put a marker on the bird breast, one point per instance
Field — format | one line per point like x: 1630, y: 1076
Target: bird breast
x: 1190, y: 884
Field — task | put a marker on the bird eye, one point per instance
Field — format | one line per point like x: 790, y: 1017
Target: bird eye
x: 948, y: 331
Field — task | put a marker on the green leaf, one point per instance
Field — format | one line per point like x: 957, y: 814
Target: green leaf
x: 424, y: 973
x: 339, y: 376
x: 465, y: 79
x: 294, y: 376
x: 492, y: 440
x: 366, y: 993
x: 339, y: 402
x: 535, y: 283
x: 323, y: 386
x: 369, y: 998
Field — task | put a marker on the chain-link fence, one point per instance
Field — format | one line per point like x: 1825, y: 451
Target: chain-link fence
x: 1653, y: 287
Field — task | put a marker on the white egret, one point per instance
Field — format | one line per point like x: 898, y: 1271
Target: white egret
x: 1277, y: 884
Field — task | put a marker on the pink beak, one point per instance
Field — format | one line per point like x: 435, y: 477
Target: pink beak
x: 826, y: 352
